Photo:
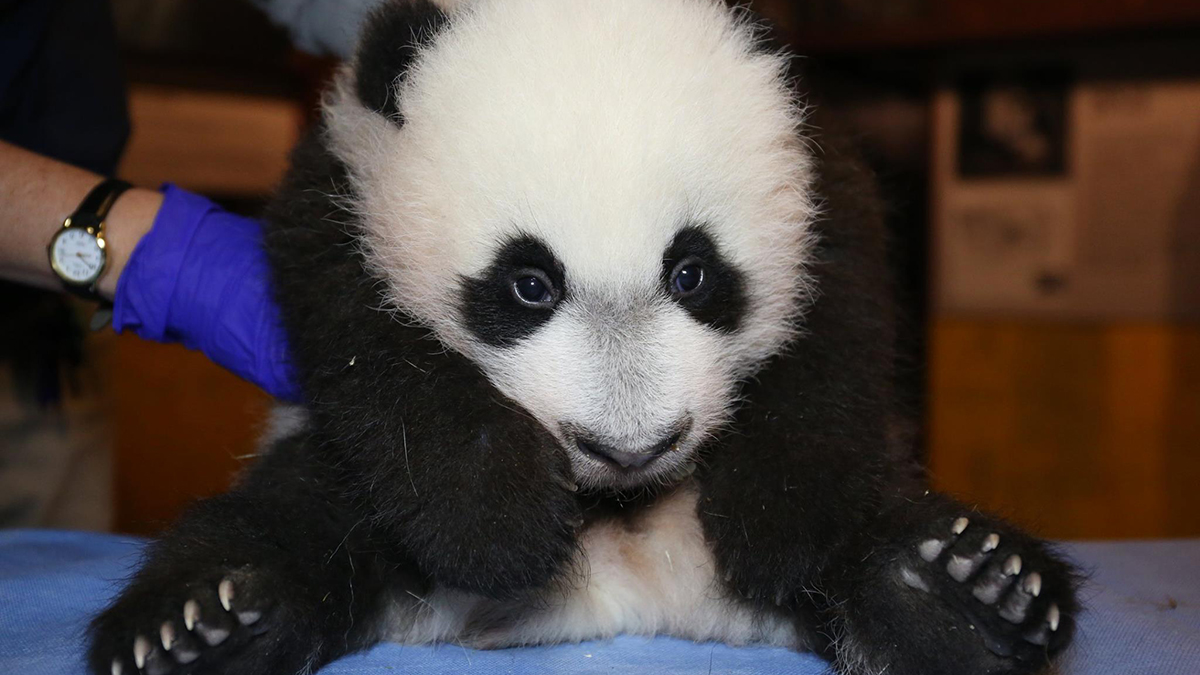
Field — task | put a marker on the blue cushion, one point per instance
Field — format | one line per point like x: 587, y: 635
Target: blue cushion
x: 1144, y: 618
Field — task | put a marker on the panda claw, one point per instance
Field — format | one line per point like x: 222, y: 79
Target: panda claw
x: 117, y: 668
x: 1012, y: 566
x: 166, y: 634
x: 141, y: 649
x: 990, y: 543
x: 191, y: 614
x: 930, y: 549
x: 1033, y: 584
x: 960, y: 526
x: 1041, y: 634
x: 225, y: 592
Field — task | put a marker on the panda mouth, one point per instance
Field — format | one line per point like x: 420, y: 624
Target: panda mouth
x: 605, y: 462
x: 625, y: 460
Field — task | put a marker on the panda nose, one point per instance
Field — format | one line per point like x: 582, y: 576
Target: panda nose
x: 626, y: 459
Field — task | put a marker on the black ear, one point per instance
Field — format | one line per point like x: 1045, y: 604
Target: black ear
x: 391, y: 38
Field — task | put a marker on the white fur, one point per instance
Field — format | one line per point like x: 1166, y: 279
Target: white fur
x: 601, y: 127
x: 285, y: 419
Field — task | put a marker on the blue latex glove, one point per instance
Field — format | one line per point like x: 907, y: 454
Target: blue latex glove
x: 200, y: 277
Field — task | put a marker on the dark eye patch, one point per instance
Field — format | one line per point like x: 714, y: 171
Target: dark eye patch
x: 491, y: 311
x: 720, y: 301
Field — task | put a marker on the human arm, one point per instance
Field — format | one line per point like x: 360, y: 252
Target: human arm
x: 180, y: 269
x: 36, y: 196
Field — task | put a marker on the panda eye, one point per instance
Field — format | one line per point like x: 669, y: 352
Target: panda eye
x: 532, y: 288
x: 687, y: 278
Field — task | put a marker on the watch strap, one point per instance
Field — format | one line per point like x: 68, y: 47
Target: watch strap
x: 100, y: 200
x: 91, y: 212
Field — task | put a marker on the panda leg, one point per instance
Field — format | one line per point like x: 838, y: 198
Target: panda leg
x: 810, y: 509
x: 814, y: 504
x: 269, y: 579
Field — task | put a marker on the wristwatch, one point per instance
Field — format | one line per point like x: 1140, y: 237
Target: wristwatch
x: 78, y: 252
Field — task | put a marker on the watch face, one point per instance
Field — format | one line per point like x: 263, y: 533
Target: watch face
x: 77, y: 256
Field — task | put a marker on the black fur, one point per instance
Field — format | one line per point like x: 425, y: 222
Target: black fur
x: 720, y: 300
x: 810, y: 506
x: 414, y: 470
x: 392, y: 37
x: 288, y: 541
x: 449, y: 471
x: 488, y: 310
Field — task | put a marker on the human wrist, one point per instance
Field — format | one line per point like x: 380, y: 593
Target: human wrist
x: 131, y: 217
x: 36, y: 196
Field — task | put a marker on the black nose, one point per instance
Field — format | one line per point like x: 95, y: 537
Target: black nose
x: 624, y: 458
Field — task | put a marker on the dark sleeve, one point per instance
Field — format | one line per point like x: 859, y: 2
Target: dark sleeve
x: 61, y: 90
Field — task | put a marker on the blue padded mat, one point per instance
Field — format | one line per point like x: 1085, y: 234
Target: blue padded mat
x: 1143, y: 619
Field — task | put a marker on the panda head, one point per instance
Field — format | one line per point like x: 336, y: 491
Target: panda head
x: 602, y: 203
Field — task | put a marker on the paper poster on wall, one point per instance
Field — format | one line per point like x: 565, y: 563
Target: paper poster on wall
x: 1067, y: 199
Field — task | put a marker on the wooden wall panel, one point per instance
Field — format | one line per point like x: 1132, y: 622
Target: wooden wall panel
x: 214, y: 143
x: 182, y: 428
x: 181, y: 422
x: 965, y: 22
x: 1078, y: 430
x: 1182, y: 466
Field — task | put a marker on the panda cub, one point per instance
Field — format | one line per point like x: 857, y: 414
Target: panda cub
x: 593, y: 340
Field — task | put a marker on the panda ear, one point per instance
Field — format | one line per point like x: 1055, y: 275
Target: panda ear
x: 392, y: 36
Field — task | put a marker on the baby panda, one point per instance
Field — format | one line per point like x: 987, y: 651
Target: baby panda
x: 595, y: 338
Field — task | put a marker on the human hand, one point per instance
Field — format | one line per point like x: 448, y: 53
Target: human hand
x: 200, y: 277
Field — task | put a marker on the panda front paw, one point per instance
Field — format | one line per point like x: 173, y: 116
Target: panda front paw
x: 210, y: 624
x: 517, y: 527
x: 1018, y: 597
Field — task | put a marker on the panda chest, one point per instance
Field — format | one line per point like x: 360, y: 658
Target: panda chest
x: 647, y: 572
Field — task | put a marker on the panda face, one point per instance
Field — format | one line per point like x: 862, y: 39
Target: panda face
x: 603, y: 203
x: 631, y: 371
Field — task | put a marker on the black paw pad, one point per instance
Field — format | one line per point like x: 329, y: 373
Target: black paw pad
x: 1016, y: 595
x: 204, y: 622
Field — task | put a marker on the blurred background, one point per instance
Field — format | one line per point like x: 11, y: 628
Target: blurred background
x: 1041, y: 161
